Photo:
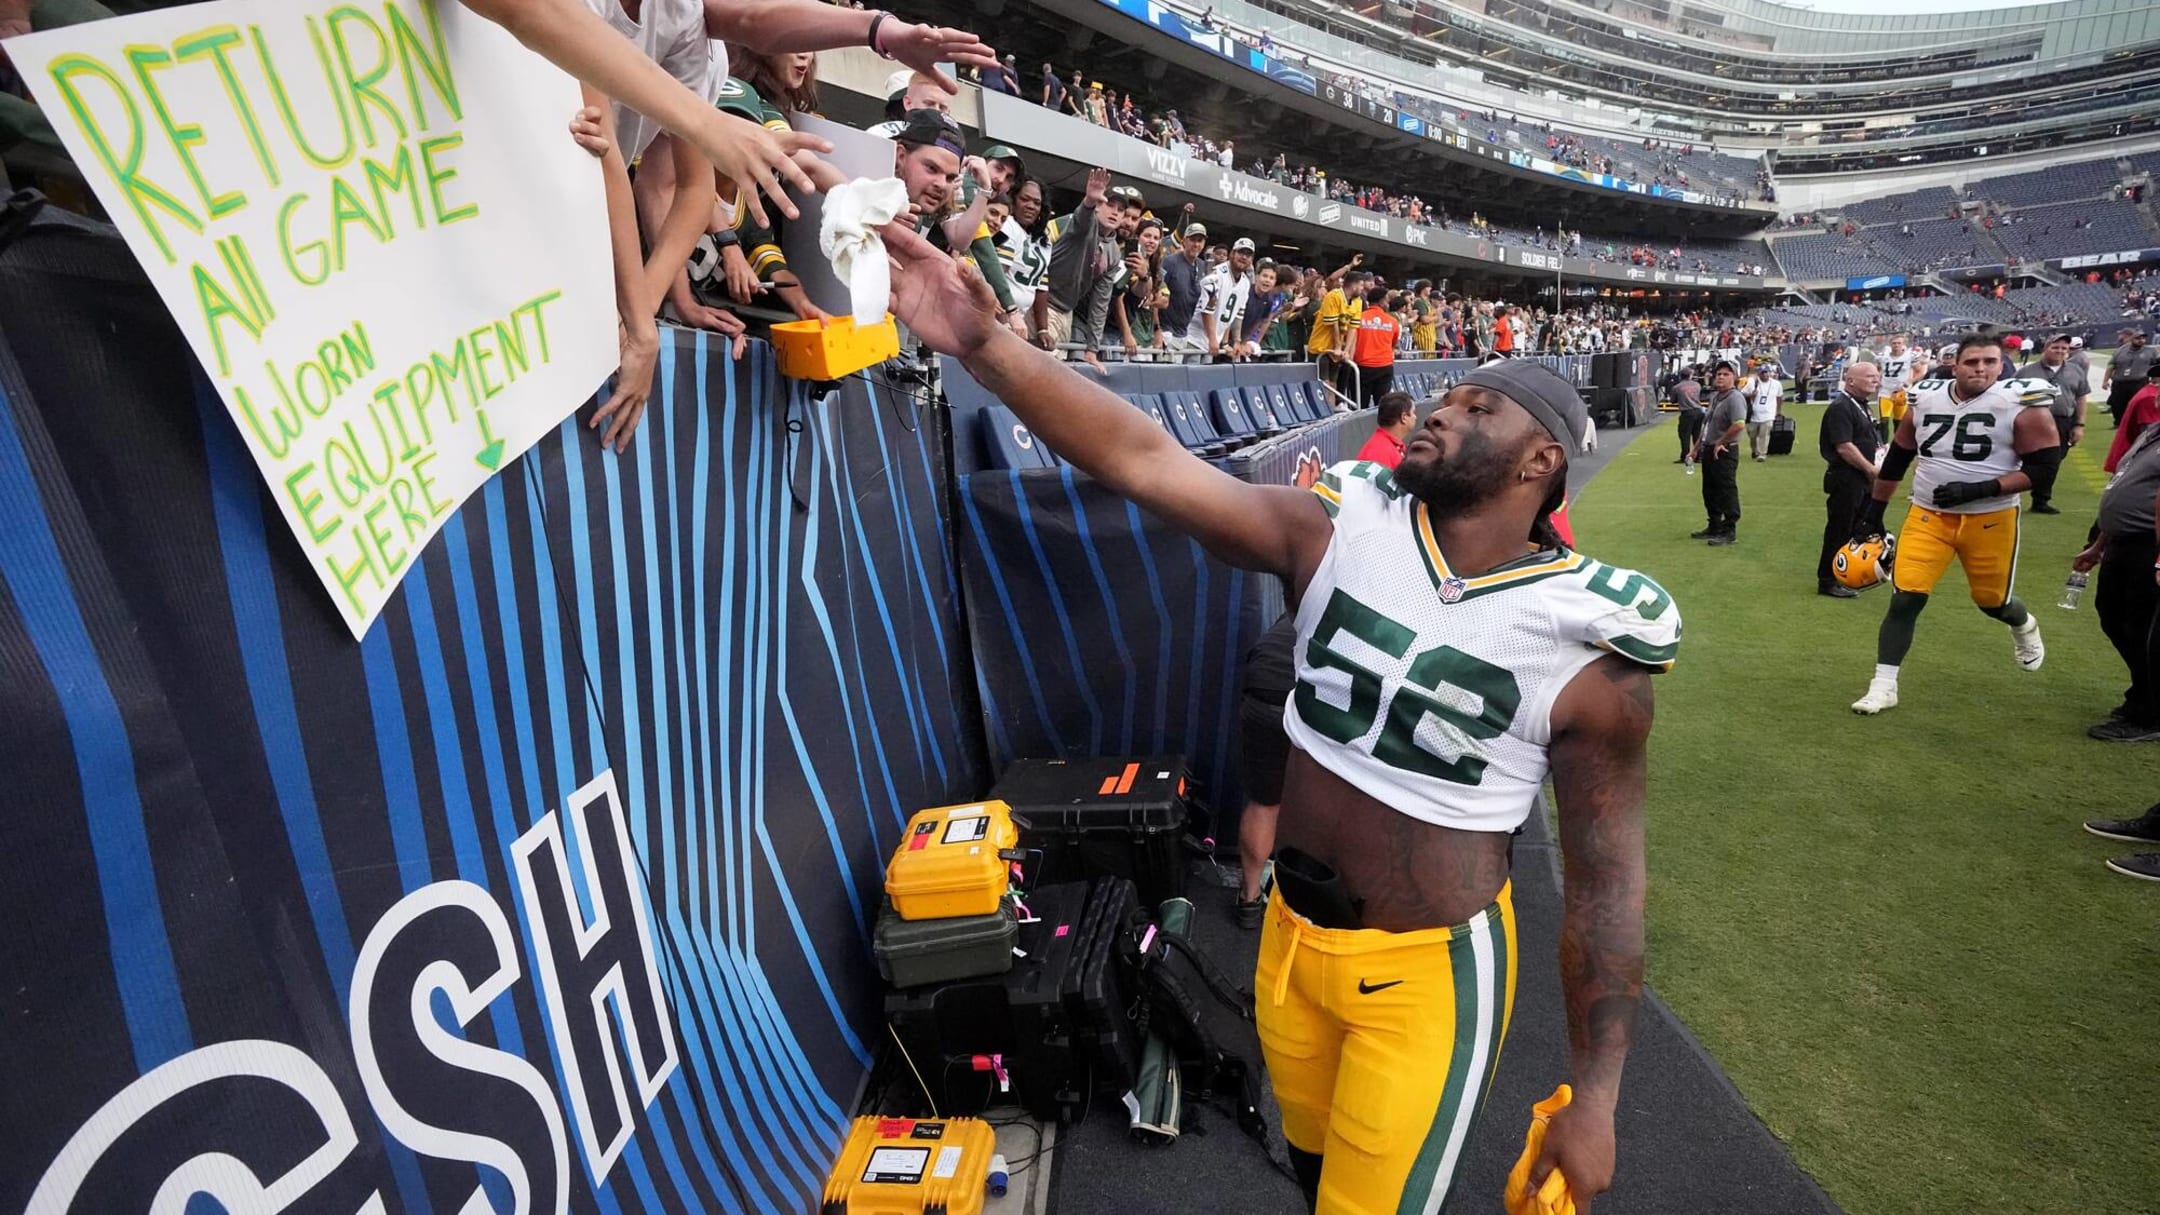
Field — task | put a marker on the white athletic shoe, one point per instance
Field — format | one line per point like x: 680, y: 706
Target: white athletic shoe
x: 1881, y: 694
x: 2025, y: 643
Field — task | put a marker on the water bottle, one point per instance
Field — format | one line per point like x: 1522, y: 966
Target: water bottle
x: 2074, y: 590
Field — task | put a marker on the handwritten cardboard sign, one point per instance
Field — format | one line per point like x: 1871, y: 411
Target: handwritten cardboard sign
x: 372, y: 225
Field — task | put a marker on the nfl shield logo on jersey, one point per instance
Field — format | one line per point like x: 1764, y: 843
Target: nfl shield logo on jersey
x: 1451, y: 589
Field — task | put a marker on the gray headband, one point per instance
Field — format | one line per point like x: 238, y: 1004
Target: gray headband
x: 1543, y: 392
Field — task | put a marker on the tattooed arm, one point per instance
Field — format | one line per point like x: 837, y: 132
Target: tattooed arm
x: 1600, y: 725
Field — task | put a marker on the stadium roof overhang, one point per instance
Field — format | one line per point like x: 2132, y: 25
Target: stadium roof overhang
x: 1060, y: 149
x: 1492, y: 172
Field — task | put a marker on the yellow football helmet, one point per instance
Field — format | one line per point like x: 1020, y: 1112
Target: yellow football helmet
x: 1864, y: 563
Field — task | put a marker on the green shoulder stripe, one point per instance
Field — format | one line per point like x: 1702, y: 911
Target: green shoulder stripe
x: 1642, y: 651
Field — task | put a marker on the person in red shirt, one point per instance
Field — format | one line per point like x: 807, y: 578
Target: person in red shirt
x: 1398, y: 416
x: 1377, y: 333
x: 2142, y: 411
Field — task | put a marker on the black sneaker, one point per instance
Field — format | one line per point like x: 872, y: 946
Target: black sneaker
x: 1704, y: 534
x: 2122, y: 729
x: 1836, y: 590
x: 2144, y: 829
x: 2143, y: 865
x: 2046, y: 508
x: 1721, y: 539
x: 1250, y: 912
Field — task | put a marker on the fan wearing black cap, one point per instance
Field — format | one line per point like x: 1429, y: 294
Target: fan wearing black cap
x: 927, y: 157
x: 1450, y: 653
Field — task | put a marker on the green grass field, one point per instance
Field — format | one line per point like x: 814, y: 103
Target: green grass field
x: 1891, y: 931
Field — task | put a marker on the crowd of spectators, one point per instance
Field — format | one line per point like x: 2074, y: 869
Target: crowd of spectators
x: 696, y: 245
x: 1127, y: 113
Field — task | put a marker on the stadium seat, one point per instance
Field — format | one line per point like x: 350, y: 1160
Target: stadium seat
x: 1009, y: 443
x: 1262, y: 414
x: 1286, y: 409
x: 1150, y: 403
x: 1204, y: 425
x: 1316, y: 405
x: 1227, y: 411
x: 1183, y: 424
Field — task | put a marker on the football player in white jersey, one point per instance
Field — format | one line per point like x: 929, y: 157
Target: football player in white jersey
x: 1899, y: 370
x: 1450, y: 653
x: 1968, y: 437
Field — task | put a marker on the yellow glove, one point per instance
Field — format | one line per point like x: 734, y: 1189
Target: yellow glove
x: 1553, y: 1197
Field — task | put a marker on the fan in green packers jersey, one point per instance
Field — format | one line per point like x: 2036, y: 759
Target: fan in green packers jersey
x: 1451, y: 653
x: 744, y: 260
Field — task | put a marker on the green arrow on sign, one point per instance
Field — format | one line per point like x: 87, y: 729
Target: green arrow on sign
x: 489, y: 456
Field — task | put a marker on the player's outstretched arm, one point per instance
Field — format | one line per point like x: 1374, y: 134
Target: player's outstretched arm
x: 945, y: 301
x: 1601, y: 724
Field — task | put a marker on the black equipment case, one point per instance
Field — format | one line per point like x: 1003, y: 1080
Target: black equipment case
x: 916, y: 953
x: 1782, y: 433
x: 1095, y: 993
x: 1109, y: 816
x: 1054, y: 1026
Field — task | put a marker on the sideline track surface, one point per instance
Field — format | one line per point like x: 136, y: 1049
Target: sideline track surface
x: 1687, y: 1141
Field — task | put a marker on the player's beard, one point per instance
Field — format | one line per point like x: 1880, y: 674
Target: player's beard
x: 1458, y: 483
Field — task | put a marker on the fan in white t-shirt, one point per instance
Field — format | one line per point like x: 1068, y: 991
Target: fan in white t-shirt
x: 1765, y: 399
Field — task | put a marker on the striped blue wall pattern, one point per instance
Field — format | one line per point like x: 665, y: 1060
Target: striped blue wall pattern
x: 774, y: 687
x: 1092, y: 620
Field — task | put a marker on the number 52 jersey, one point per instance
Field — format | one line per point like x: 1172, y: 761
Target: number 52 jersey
x: 1433, y: 692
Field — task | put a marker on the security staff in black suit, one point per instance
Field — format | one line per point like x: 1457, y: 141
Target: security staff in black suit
x: 1848, y: 442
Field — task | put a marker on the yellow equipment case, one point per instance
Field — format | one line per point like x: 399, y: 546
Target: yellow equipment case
x: 948, y: 864
x: 912, y: 1166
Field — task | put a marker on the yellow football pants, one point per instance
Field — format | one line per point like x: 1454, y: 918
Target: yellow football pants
x: 1382, y: 1046
x: 1986, y: 545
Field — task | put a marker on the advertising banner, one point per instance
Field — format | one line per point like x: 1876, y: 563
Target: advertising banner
x: 2127, y: 257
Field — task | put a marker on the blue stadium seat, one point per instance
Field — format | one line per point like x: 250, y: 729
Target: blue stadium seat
x: 1204, y: 426
x: 1183, y: 424
x: 1010, y: 444
x: 1263, y: 414
x: 1286, y: 410
x: 1151, y: 404
x: 1227, y: 409
x: 1308, y: 406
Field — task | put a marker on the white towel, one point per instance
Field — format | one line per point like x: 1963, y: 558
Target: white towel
x: 853, y: 213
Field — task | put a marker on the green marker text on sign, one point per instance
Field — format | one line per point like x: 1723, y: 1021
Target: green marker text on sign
x: 340, y: 203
